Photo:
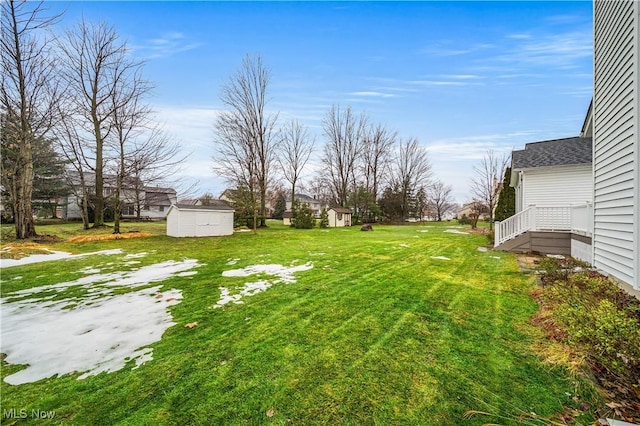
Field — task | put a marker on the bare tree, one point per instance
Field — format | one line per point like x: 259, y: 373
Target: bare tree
x: 295, y: 146
x: 153, y: 159
x: 344, y: 132
x: 98, y: 71
x: 236, y: 159
x: 377, y: 148
x: 29, y: 91
x: 440, y: 199
x: 72, y: 148
x: 247, y: 125
x: 412, y: 170
x: 487, y: 180
x: 130, y: 118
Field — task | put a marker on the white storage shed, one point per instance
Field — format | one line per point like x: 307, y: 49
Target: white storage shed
x: 199, y: 221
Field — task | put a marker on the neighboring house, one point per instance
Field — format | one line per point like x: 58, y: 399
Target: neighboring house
x: 468, y: 208
x: 616, y: 127
x: 154, y: 201
x: 199, y: 221
x: 190, y: 202
x: 339, y: 216
x: 315, y: 205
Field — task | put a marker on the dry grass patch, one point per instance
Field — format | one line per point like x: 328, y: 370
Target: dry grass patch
x: 20, y: 250
x: 107, y: 237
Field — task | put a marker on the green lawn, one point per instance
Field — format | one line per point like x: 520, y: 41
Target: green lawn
x: 377, y: 332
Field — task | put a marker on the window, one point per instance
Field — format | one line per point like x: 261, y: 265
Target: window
x: 161, y: 208
x: 338, y: 216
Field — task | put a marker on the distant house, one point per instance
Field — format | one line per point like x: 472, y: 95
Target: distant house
x: 339, y: 216
x: 199, y: 221
x: 190, y: 202
x: 469, y: 208
x: 315, y: 205
x: 154, y: 202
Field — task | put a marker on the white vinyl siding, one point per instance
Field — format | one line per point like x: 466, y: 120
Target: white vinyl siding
x: 557, y: 186
x: 615, y: 156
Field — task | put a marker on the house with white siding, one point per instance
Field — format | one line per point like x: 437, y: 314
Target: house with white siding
x: 609, y: 219
x: 553, y: 181
x: 616, y: 150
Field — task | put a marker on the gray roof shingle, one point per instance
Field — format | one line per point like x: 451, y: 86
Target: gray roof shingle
x: 556, y: 152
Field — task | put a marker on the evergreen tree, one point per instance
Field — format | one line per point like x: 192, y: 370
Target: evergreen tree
x: 324, y: 218
x: 49, y: 184
x: 302, y: 216
x: 280, y: 207
x: 507, y: 201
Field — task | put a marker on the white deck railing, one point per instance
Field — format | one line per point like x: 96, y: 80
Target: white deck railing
x: 576, y: 218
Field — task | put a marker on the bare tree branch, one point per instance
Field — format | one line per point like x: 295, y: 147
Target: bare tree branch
x: 486, y: 183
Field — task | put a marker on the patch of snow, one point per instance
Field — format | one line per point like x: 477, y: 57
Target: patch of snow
x: 136, y: 255
x: 54, y: 255
x: 232, y: 261
x: 17, y: 278
x: 283, y: 274
x: 423, y: 230
x: 99, y: 333
x: 483, y: 249
x: 136, y: 278
x: 404, y: 245
x: 95, y: 338
x: 242, y: 230
x: 440, y: 257
x: 455, y: 231
x: 89, y: 270
x: 494, y: 257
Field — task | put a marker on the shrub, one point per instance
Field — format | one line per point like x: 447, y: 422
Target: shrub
x: 324, y: 219
x: 302, y: 216
x: 491, y: 238
x: 464, y: 220
x: 601, y: 322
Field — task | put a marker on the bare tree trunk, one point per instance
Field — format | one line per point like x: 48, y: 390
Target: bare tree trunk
x: 98, y: 71
x: 245, y: 146
x: 28, y: 93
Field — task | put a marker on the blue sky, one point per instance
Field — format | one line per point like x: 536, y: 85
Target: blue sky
x: 462, y: 77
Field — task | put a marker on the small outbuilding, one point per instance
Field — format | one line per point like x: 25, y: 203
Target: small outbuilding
x: 199, y: 221
x: 286, y: 218
x: 339, y: 216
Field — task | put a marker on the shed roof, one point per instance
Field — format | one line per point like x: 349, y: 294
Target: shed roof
x: 216, y: 207
x: 341, y: 210
x: 556, y: 152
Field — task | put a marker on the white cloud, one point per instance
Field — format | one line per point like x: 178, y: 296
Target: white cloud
x: 373, y: 94
x: 556, y: 50
x: 168, y: 44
